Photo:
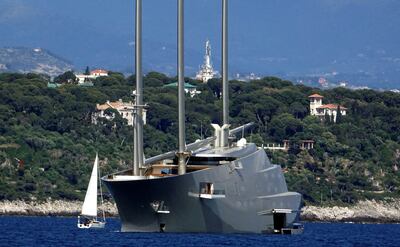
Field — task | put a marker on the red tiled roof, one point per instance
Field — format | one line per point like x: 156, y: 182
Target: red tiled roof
x: 315, y: 96
x: 99, y: 71
x: 114, y: 105
x: 332, y: 107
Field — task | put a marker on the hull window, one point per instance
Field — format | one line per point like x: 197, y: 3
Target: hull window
x: 206, y: 188
x: 207, y: 191
x: 160, y: 207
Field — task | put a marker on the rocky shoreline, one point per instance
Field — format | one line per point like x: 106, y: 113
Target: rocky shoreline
x: 361, y: 212
x: 365, y: 211
x: 50, y: 208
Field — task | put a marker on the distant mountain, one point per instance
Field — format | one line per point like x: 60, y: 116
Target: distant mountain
x: 26, y: 60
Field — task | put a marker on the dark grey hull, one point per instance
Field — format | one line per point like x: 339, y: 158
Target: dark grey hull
x: 250, y: 188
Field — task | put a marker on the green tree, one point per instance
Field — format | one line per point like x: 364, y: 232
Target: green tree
x: 284, y: 126
x: 66, y: 78
x: 216, y: 87
x: 339, y: 115
x: 87, y: 71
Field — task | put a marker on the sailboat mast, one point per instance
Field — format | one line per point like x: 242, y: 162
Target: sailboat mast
x: 181, y: 90
x: 101, y: 192
x: 138, y: 149
x: 225, y: 80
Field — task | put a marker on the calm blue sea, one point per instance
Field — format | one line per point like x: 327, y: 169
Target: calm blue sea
x: 53, y: 231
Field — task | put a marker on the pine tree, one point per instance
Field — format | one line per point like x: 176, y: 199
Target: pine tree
x: 338, y: 115
x: 327, y: 118
x: 87, y: 71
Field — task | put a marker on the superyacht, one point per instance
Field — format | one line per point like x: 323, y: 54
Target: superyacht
x: 222, y: 184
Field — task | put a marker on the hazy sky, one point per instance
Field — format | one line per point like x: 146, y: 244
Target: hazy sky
x: 267, y: 35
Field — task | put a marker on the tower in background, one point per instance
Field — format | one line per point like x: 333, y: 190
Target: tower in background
x: 206, y: 71
x: 315, y: 102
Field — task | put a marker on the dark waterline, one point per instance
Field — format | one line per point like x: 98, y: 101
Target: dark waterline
x: 56, y: 231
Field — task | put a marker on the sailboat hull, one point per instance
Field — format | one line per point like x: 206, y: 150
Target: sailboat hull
x: 89, y: 207
x: 96, y: 224
x: 246, y: 193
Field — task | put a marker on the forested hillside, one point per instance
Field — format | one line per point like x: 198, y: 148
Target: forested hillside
x: 48, y: 143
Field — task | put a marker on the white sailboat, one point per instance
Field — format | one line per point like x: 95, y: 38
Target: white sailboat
x: 88, y: 216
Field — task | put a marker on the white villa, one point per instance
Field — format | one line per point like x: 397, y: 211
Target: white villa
x: 123, y: 108
x: 320, y: 110
x: 93, y: 75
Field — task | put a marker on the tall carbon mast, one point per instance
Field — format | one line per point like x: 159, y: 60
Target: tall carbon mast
x: 222, y: 132
x: 138, y: 137
x: 225, y: 79
x: 181, y: 90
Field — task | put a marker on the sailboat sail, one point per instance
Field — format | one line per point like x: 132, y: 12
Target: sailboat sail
x: 89, y: 207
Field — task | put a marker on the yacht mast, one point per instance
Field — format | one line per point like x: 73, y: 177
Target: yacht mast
x: 181, y: 90
x: 138, y: 148
x: 225, y: 80
x: 221, y: 133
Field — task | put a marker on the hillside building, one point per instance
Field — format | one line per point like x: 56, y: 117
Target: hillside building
x: 81, y: 78
x: 99, y: 72
x: 123, y: 108
x: 189, y: 88
x: 320, y: 110
x: 303, y: 145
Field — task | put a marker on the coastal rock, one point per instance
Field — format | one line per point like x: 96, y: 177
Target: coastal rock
x: 364, y: 211
x: 50, y: 208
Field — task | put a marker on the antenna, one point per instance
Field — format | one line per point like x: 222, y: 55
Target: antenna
x: 201, y: 130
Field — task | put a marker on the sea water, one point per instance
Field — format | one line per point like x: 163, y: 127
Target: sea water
x: 58, y: 231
